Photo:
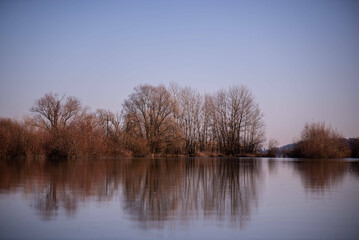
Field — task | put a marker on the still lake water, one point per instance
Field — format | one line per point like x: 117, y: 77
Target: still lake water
x: 180, y: 198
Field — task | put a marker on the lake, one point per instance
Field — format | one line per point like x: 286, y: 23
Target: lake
x: 180, y: 198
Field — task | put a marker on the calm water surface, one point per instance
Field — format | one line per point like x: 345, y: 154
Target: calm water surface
x: 180, y: 198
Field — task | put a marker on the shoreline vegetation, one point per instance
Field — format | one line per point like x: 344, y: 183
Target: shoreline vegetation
x: 160, y: 121
x: 319, y: 141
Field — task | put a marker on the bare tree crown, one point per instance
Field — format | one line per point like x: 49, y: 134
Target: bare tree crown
x: 51, y: 111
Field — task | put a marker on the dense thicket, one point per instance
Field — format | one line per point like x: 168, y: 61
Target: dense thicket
x: 321, y: 141
x: 154, y: 120
x: 354, y: 146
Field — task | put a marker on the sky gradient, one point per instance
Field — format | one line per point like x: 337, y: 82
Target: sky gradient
x: 299, y: 58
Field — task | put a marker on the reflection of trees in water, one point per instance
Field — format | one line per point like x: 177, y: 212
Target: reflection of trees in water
x: 153, y: 190
x: 60, y: 185
x: 68, y: 183
x: 54, y: 192
x: 159, y: 190
x: 150, y: 187
x: 320, y: 175
x: 354, y: 168
x: 272, y: 165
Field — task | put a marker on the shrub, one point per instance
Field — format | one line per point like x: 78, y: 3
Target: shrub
x: 12, y: 139
x: 321, y: 141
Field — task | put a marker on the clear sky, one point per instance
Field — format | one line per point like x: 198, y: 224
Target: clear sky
x: 300, y: 58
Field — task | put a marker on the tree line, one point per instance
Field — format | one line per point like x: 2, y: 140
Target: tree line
x: 155, y: 120
x: 317, y: 140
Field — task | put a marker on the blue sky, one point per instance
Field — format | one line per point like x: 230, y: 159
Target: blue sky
x: 300, y: 58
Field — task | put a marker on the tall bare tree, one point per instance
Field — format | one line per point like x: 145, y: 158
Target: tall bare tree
x: 52, y: 111
x: 190, y: 105
x: 149, y: 114
x: 237, y: 121
x: 206, y: 142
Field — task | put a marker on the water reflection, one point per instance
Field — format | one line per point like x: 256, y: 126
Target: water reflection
x: 152, y: 191
x: 52, y: 186
x: 320, y: 175
x: 180, y: 196
x: 159, y: 190
x: 272, y: 165
x: 155, y: 191
x: 354, y: 168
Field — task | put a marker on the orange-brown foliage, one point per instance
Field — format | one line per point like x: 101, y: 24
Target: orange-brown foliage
x: 321, y: 141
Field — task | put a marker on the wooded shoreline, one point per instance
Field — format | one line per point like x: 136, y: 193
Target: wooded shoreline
x: 160, y: 121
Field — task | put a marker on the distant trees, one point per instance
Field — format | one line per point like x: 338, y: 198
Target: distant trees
x: 321, y: 141
x: 237, y: 121
x: 227, y: 122
x: 189, y: 119
x: 154, y: 120
x: 272, y: 148
x: 149, y: 115
x: 72, y: 131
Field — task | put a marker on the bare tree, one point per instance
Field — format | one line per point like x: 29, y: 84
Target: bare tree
x: 237, y: 121
x: 110, y: 122
x: 111, y: 125
x: 255, y: 133
x: 149, y: 115
x: 52, y: 111
x: 207, y: 129
x: 190, y: 105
